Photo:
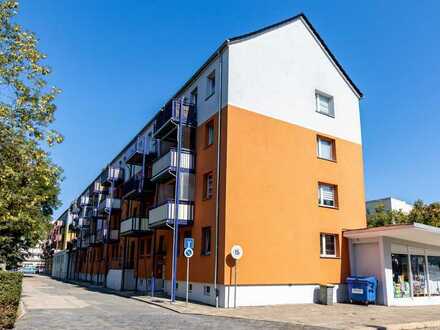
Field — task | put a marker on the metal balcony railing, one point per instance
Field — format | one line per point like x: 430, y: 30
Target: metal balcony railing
x: 167, y: 164
x: 108, y: 204
x: 165, y: 213
x: 112, y: 174
x: 137, y: 186
x: 144, y: 147
x: 168, y: 117
x: 134, y: 225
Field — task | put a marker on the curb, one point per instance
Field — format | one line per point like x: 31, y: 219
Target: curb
x: 414, y: 325
x: 21, y: 310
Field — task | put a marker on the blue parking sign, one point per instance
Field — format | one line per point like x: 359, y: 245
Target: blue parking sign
x: 189, y: 243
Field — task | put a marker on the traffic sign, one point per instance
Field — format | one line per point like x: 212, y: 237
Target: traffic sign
x: 236, y: 252
x: 188, y: 243
x: 188, y: 252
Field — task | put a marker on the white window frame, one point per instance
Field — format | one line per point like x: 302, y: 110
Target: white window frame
x: 209, y: 188
x: 210, y: 84
x: 323, y: 252
x: 331, y: 104
x: 321, y: 197
x: 333, y: 149
x: 210, y: 133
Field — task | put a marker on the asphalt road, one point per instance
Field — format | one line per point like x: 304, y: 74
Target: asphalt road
x: 51, y: 304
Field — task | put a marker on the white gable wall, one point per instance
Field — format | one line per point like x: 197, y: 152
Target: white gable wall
x: 277, y: 73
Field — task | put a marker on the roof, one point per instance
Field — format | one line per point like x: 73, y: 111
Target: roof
x: 415, y: 232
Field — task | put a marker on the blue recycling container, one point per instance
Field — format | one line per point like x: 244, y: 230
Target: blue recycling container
x: 362, y: 289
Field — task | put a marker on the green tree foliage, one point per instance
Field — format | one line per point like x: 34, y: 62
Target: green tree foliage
x: 29, y: 181
x: 428, y: 214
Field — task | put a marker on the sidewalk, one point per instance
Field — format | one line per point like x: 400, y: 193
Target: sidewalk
x: 338, y: 316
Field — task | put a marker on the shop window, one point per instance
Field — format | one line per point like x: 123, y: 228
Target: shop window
x: 329, y: 245
x: 326, y: 148
x: 206, y: 241
x: 400, y: 275
x: 434, y: 275
x: 327, y: 195
x: 418, y: 270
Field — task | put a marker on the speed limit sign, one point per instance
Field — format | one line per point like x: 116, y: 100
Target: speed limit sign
x: 236, y: 252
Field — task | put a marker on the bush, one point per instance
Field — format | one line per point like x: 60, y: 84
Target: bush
x: 10, y: 292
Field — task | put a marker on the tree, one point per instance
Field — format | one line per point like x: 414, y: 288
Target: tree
x: 428, y: 214
x: 29, y: 181
x: 382, y: 217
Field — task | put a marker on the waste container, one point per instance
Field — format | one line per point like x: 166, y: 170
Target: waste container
x: 362, y: 289
x: 326, y: 294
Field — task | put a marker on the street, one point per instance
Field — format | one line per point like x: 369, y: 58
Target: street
x: 52, y: 304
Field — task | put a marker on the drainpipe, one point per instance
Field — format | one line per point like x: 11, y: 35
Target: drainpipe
x: 217, y: 201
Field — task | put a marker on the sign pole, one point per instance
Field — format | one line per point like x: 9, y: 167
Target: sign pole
x: 236, y: 254
x: 235, y: 280
x: 187, y: 279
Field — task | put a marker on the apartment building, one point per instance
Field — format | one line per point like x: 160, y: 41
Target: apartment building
x: 271, y: 160
x: 388, y: 204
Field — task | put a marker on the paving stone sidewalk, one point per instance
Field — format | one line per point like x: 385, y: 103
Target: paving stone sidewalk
x: 338, y: 316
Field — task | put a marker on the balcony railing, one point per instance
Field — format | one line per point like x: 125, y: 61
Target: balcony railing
x: 164, y: 214
x: 113, y: 235
x: 144, y: 146
x: 165, y: 165
x: 111, y: 174
x: 134, y: 225
x: 137, y: 186
x: 99, y: 188
x: 85, y: 200
x: 168, y: 117
x: 109, y: 204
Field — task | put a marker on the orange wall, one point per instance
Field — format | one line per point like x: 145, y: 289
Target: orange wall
x: 272, y: 201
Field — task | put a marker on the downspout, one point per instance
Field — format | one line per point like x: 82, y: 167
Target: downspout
x: 217, y: 201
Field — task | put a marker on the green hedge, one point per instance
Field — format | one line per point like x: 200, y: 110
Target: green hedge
x: 10, y: 292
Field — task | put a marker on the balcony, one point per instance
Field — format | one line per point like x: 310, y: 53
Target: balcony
x: 85, y: 201
x: 164, y: 214
x: 112, y: 174
x: 84, y: 243
x: 99, y: 188
x: 100, y: 235
x: 168, y: 119
x: 143, y: 148
x: 113, y: 235
x: 109, y: 204
x: 92, y: 239
x: 165, y: 167
x: 137, y: 187
x: 134, y: 226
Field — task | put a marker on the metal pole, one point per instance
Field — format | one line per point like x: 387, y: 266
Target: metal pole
x: 187, y: 279
x: 176, y: 204
x: 235, y: 280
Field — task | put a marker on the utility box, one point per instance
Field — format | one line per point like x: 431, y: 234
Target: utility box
x: 326, y: 292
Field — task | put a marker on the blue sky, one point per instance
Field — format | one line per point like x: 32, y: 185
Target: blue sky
x: 117, y: 62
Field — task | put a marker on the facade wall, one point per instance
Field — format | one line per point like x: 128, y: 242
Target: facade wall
x: 271, y: 201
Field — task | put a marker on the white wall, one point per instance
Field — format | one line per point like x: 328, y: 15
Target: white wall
x: 277, y: 73
x: 60, y: 265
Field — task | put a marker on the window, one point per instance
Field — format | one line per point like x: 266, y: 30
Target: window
x: 149, y: 242
x: 141, y: 247
x: 162, y: 248
x: 207, y: 290
x: 210, y: 84
x: 209, y: 133
x: 326, y: 148
x: 206, y: 241
x: 208, y: 182
x: 327, y: 195
x: 190, y: 287
x: 193, y: 96
x: 325, y: 104
x: 328, y: 245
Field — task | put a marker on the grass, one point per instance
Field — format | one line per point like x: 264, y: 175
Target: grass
x: 10, y: 292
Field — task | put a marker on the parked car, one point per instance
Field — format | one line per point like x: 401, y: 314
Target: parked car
x: 28, y: 270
